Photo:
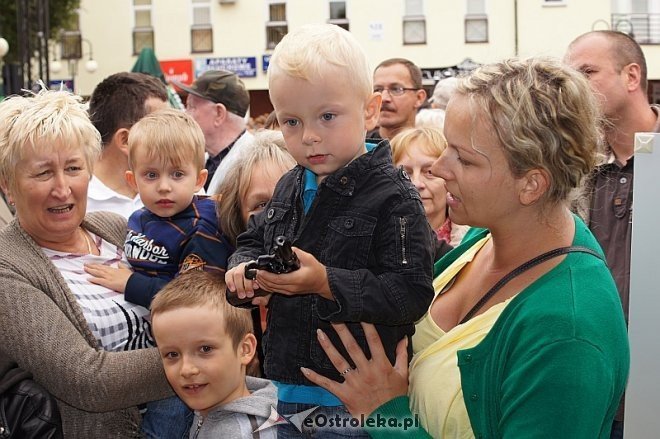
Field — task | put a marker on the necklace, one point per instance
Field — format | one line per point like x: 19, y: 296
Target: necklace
x: 89, y: 244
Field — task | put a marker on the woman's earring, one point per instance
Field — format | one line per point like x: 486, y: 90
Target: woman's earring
x: 11, y: 202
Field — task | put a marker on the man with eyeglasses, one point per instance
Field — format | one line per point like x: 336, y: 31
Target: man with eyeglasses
x: 615, y: 66
x: 400, y: 83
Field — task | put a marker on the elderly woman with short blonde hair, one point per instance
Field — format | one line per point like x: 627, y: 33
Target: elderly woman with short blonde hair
x: 83, y: 343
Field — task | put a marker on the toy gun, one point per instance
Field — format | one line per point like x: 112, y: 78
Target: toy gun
x: 281, y: 260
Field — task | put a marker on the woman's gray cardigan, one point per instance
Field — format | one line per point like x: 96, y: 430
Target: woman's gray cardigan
x: 43, y: 331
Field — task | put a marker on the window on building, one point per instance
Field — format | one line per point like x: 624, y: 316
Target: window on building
x: 638, y: 18
x: 414, y: 22
x: 143, y: 31
x: 639, y: 5
x: 277, y: 26
x: 476, y: 22
x: 338, y: 14
x: 201, y: 31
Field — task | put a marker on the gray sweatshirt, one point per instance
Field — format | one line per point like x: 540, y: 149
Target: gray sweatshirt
x: 241, y: 417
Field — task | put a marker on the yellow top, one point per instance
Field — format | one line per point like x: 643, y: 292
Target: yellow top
x: 435, y: 382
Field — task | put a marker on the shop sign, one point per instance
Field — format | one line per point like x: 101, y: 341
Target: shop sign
x: 243, y: 66
x: 180, y: 70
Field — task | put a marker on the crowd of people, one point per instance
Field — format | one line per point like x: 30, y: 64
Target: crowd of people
x: 458, y: 265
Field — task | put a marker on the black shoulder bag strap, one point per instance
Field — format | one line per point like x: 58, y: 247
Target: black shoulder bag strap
x: 521, y: 269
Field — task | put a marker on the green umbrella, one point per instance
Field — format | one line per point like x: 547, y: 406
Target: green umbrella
x: 148, y: 63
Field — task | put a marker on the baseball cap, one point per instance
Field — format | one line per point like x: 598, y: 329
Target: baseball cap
x: 222, y: 87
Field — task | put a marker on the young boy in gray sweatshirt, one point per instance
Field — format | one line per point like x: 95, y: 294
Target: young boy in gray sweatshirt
x: 206, y: 345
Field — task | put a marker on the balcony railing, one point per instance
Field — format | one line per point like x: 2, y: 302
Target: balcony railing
x: 643, y: 27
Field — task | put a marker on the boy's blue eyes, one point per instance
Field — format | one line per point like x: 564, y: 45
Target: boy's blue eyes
x: 294, y: 122
x: 202, y: 349
x: 154, y: 175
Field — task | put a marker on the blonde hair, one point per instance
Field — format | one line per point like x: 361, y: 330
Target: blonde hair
x: 197, y: 288
x: 431, y: 140
x: 311, y: 51
x: 267, y: 147
x: 167, y: 134
x: 544, y: 115
x: 43, y: 122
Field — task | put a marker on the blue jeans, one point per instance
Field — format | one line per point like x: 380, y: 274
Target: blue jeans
x: 324, y: 422
x: 167, y: 418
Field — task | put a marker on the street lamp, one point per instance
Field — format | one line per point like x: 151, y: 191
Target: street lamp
x: 55, y: 65
x: 626, y: 26
x: 4, y: 49
x: 71, y: 50
x: 600, y: 22
x: 90, y: 65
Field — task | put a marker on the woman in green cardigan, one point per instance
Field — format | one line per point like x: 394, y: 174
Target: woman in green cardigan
x: 512, y: 346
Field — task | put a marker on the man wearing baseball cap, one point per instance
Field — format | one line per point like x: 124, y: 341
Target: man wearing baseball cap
x: 218, y: 101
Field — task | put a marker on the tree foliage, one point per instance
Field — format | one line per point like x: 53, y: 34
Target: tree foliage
x: 62, y: 14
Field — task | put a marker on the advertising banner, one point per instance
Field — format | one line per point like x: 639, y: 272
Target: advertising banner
x: 243, y: 66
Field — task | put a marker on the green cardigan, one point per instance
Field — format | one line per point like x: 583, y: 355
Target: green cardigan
x: 555, y: 364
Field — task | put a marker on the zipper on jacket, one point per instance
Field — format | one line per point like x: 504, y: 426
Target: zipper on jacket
x: 297, y: 201
x: 199, y: 426
x: 402, y: 232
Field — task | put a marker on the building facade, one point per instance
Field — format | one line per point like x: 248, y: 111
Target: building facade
x: 441, y: 36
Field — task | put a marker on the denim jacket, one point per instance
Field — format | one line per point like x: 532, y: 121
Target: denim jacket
x: 367, y: 226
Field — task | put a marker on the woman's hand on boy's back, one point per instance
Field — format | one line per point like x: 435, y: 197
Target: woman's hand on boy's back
x: 373, y: 381
x: 310, y: 278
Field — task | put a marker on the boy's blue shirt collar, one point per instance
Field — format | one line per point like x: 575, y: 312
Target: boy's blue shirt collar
x: 310, y: 186
x: 310, y: 181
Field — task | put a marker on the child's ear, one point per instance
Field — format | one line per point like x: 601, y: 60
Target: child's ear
x: 247, y: 348
x: 130, y: 179
x: 372, y: 111
x: 201, y: 179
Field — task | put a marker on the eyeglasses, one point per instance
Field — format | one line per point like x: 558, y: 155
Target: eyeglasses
x: 394, y: 91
